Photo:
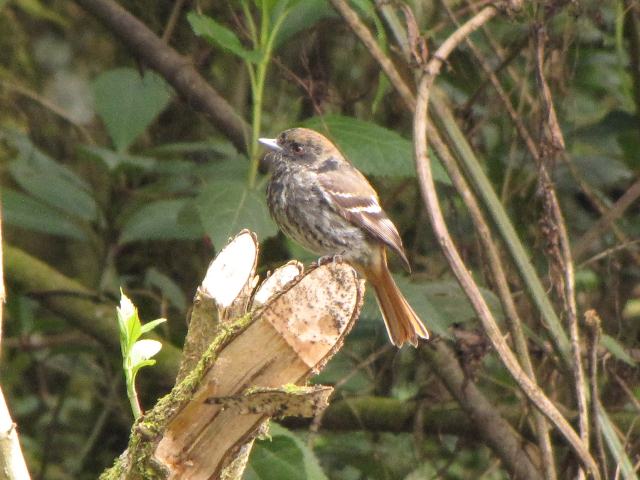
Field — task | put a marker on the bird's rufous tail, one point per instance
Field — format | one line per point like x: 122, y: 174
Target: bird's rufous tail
x: 403, y: 324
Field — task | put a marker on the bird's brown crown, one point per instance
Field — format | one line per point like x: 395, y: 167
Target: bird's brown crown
x: 304, y: 142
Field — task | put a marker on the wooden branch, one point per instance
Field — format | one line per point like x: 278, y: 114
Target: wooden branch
x: 12, y: 464
x: 175, y: 68
x: 223, y: 296
x: 384, y: 414
x: 463, y: 276
x: 491, y: 426
x: 255, y: 366
x: 560, y: 257
x: 603, y: 224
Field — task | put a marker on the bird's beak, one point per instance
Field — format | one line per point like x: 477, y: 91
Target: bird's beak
x: 270, y: 143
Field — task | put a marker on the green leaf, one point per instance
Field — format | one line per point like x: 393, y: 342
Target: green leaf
x: 371, y: 148
x: 139, y: 365
x: 129, y: 323
x: 38, y: 10
x: 207, y: 148
x: 219, y: 35
x: 617, y: 350
x: 283, y: 457
x: 53, y: 190
x: 147, y: 327
x: 615, y: 447
x: 124, y: 313
x: 117, y: 160
x: 303, y: 15
x: 48, y: 180
x: 128, y: 102
x: 169, y: 288
x: 227, y: 205
x: 143, y: 350
x: 23, y: 211
x: 161, y: 220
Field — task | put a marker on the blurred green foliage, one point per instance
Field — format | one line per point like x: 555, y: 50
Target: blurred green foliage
x: 141, y: 192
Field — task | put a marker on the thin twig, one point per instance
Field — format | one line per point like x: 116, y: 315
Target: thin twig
x: 365, y: 36
x: 600, y: 206
x: 500, y: 280
x: 49, y: 105
x: 594, y: 330
x: 530, y: 389
x: 173, y: 20
x: 603, y: 224
x: 431, y: 201
x: 553, y: 145
x: 609, y: 251
x: 495, y: 430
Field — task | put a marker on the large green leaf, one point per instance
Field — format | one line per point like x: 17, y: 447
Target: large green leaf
x: 282, y: 457
x: 49, y: 181
x: 373, y: 149
x: 23, y: 211
x: 227, y: 205
x: 128, y: 102
x: 221, y: 36
x: 118, y: 160
x: 161, y: 220
x: 617, y: 350
x: 303, y: 15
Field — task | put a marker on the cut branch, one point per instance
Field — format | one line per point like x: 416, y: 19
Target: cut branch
x: 255, y: 366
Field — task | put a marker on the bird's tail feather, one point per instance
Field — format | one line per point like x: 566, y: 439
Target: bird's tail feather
x: 403, y: 324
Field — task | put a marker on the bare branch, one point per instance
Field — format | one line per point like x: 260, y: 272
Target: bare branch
x: 466, y: 281
x: 552, y: 145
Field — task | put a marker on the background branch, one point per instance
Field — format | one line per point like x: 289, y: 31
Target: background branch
x: 460, y: 270
x: 175, y: 68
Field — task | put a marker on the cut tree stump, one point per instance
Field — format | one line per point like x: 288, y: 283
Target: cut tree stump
x: 247, y: 357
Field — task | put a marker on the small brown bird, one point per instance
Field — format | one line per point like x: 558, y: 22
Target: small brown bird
x: 324, y: 203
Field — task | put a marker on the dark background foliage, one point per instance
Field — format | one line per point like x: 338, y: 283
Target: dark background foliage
x: 115, y: 180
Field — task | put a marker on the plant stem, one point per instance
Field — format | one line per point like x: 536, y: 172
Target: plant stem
x: 258, y: 77
x: 257, y: 87
x: 131, y: 391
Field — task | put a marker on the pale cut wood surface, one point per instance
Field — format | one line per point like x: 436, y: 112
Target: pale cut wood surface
x: 291, y: 337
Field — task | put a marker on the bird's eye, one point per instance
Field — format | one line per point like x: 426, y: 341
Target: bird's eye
x: 297, y: 148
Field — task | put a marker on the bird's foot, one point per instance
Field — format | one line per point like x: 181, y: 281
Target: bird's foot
x: 337, y: 258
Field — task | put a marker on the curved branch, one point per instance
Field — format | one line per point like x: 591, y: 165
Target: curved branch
x: 175, y: 68
x: 432, y: 204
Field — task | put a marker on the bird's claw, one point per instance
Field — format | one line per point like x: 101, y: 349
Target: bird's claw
x: 328, y: 259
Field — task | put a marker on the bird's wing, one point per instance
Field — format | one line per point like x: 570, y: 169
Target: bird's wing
x: 357, y: 201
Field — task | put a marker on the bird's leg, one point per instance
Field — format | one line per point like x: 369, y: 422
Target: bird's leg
x: 336, y: 258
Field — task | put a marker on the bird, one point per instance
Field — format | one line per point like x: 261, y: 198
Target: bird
x: 321, y: 201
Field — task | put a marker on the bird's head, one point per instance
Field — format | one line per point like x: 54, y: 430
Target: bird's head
x: 301, y: 145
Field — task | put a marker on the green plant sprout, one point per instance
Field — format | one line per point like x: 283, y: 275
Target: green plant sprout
x: 135, y: 353
x: 256, y: 60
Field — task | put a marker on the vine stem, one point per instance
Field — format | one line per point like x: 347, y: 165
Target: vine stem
x: 456, y: 263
